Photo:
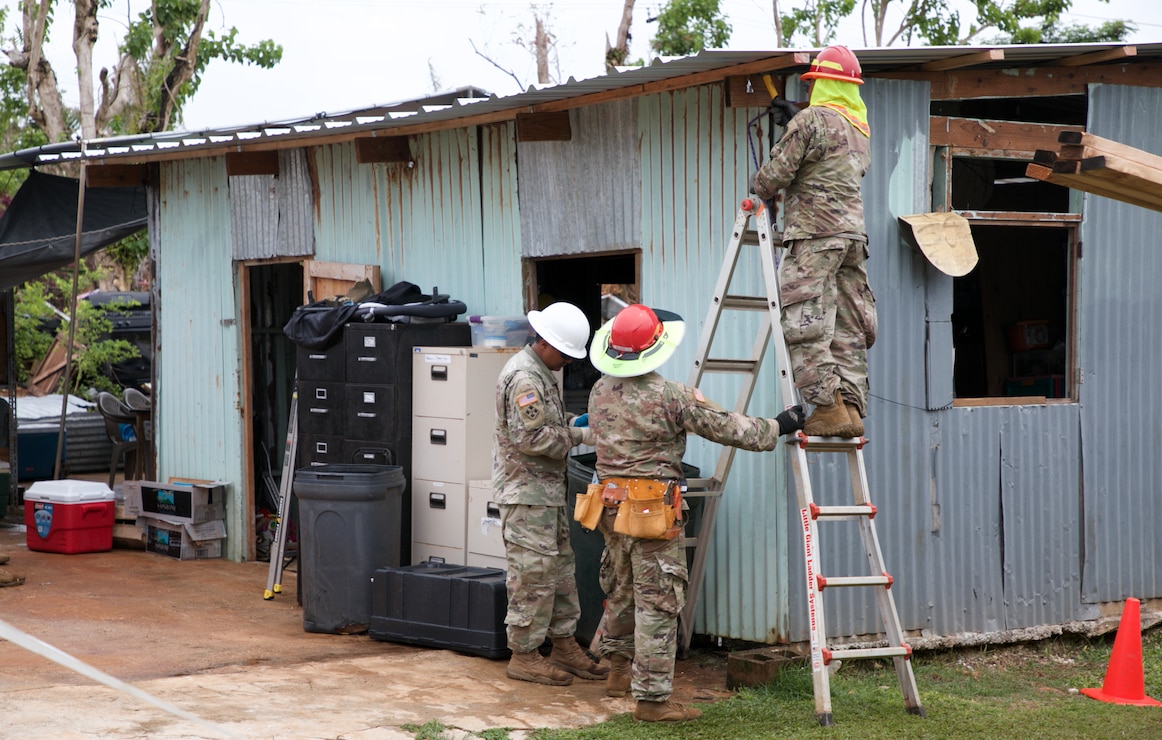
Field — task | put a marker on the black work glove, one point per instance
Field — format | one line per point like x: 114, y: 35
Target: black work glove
x: 791, y: 420
x: 782, y: 111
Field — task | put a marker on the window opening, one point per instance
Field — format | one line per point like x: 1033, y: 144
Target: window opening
x: 599, y: 285
x: 1011, y: 315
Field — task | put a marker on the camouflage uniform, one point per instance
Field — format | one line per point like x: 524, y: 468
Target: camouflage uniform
x: 640, y: 425
x: 531, y: 440
x: 829, y: 311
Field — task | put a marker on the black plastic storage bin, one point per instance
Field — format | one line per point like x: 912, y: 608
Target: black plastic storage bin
x: 587, y: 546
x: 349, y: 526
x: 439, y: 605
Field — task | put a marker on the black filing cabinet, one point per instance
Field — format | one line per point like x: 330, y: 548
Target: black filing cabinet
x: 355, y: 398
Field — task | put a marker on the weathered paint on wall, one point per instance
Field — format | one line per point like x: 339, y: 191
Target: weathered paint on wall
x: 198, y: 403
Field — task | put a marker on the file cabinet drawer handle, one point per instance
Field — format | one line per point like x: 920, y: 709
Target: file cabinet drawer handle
x: 320, y: 394
x: 437, y: 501
x: 439, y: 372
x: 438, y: 436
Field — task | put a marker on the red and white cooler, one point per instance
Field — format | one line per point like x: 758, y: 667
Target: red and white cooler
x: 69, y: 516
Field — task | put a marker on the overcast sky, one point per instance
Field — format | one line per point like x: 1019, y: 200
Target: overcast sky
x: 340, y: 55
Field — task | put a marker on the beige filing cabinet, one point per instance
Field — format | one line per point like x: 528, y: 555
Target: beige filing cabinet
x: 485, y: 540
x: 453, y: 410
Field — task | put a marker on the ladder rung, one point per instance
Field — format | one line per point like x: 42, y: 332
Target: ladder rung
x: 750, y: 237
x: 728, y: 366
x: 700, y: 486
x: 844, y: 581
x: 745, y: 302
x: 827, y: 444
x: 904, y: 651
x: 835, y: 512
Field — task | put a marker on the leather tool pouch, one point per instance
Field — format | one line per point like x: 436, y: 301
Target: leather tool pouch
x: 588, y: 507
x: 650, y: 510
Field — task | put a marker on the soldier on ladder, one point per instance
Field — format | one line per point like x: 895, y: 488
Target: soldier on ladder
x: 829, y: 311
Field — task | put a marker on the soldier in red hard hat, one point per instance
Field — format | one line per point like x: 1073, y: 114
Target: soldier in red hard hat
x: 640, y: 421
x: 829, y: 310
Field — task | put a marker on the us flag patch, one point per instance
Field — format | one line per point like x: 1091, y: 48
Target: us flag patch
x: 526, y: 399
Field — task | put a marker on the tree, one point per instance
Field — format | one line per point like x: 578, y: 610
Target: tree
x: 540, y: 42
x: 616, y: 54
x: 937, y: 22
x: 162, y: 57
x: 689, y: 26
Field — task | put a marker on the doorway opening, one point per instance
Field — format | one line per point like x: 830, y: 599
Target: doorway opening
x: 274, y: 291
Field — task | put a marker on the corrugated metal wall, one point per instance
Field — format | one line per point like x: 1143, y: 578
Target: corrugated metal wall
x: 1120, y: 324
x: 694, y: 169
x: 449, y: 221
x: 198, y: 401
x: 586, y: 191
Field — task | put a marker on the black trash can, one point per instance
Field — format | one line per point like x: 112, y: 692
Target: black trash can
x: 349, y: 527
x: 587, y: 546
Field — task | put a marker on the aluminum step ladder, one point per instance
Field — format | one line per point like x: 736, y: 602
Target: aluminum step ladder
x: 860, y: 510
x: 278, y: 560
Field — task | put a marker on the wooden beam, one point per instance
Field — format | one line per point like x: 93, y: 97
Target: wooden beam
x: 1093, y: 146
x: 377, y: 149
x: 965, y: 60
x: 1028, y: 82
x: 252, y: 163
x: 750, y: 91
x: 1094, y: 185
x: 1097, y: 57
x: 116, y: 175
x: 543, y: 126
x: 1015, y: 139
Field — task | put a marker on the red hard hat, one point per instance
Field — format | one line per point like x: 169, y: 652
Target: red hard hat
x: 835, y: 63
x: 635, y: 329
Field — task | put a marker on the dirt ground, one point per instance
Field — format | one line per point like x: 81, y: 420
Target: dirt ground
x: 200, y: 636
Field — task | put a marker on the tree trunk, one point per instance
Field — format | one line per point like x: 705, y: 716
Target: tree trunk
x: 44, y: 99
x: 184, y: 65
x: 778, y: 21
x: 542, y: 47
x: 616, y: 55
x: 84, y: 37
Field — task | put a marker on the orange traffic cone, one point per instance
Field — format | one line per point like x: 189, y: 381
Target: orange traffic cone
x: 1125, y: 682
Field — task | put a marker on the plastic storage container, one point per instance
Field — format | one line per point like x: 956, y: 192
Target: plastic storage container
x: 69, y: 516
x: 587, y: 545
x: 36, y: 451
x: 500, y: 331
x: 349, y: 526
x: 439, y: 605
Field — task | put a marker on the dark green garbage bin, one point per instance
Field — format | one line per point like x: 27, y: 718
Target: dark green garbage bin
x: 587, y: 546
x: 349, y: 527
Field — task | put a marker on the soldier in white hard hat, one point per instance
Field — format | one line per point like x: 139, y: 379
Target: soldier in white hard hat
x: 532, y: 438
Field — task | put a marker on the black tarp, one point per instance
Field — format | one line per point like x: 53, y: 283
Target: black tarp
x: 38, y: 231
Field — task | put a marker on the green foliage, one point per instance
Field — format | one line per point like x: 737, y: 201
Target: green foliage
x: 176, y: 19
x: 93, y: 349
x: 816, y: 21
x: 130, y: 251
x: 431, y: 730
x: 689, y: 26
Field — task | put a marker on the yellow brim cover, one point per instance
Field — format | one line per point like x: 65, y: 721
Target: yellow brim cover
x: 631, y: 365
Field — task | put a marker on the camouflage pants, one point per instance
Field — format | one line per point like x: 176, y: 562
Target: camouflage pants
x: 541, y: 583
x: 829, y: 318
x: 645, y: 585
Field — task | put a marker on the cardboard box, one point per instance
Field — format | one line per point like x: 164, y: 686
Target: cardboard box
x: 182, y: 539
x: 181, y: 501
x: 69, y: 516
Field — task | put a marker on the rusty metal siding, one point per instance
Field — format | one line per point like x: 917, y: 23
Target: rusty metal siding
x: 271, y: 215
x: 1119, y: 353
x: 198, y: 401
x: 583, y: 195
x: 446, y: 220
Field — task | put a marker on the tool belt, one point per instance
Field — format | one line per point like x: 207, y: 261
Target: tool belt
x: 646, y: 508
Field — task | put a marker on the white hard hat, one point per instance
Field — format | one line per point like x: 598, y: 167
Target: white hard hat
x: 564, y: 326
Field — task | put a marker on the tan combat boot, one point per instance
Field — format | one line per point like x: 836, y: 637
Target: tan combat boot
x: 533, y: 667
x: 664, y: 711
x: 617, y: 682
x: 856, y: 420
x: 568, y: 654
x: 829, y: 421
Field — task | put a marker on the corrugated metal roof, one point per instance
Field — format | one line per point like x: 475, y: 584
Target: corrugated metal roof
x: 437, y: 111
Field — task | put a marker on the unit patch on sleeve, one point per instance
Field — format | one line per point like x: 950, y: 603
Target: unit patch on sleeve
x: 529, y: 406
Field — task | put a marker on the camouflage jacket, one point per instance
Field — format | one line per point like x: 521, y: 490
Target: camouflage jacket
x: 641, y: 423
x: 819, y: 163
x: 532, y: 434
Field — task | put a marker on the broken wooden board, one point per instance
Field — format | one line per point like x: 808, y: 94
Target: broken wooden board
x: 944, y: 238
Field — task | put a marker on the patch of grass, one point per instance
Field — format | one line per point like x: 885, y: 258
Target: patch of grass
x: 1018, y: 691
x: 430, y: 730
x: 500, y: 733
